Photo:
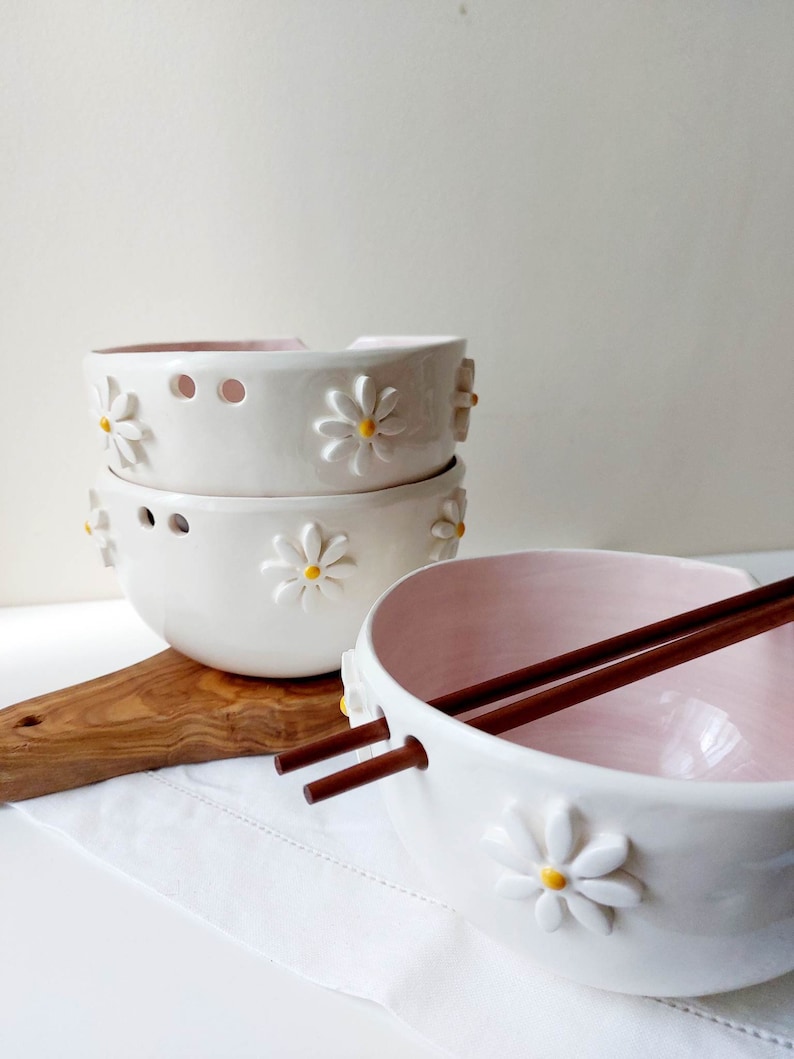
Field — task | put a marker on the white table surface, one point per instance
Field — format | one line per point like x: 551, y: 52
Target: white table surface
x: 94, y: 965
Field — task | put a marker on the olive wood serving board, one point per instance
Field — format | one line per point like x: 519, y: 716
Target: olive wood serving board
x: 166, y: 710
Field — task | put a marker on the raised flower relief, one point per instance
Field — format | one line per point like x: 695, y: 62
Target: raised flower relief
x: 317, y: 566
x: 354, y: 699
x: 97, y: 526
x: 464, y: 398
x: 583, y: 877
x: 448, y: 530
x: 362, y: 426
x: 113, y: 411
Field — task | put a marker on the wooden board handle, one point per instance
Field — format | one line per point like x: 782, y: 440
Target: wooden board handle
x: 166, y: 710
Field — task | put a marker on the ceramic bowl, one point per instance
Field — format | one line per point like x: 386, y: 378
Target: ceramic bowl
x: 273, y: 587
x: 273, y: 418
x: 641, y: 842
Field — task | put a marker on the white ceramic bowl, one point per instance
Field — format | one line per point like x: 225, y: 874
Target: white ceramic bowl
x: 641, y: 842
x: 274, y: 587
x: 271, y: 418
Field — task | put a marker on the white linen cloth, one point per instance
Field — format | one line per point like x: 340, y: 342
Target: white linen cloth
x: 328, y: 892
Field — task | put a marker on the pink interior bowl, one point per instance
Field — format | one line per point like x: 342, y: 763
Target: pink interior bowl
x: 722, y: 717
x: 642, y: 841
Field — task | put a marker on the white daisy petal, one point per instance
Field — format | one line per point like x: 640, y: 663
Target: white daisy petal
x: 366, y: 393
x: 349, y: 668
x: 383, y: 448
x: 334, y: 428
x: 520, y: 835
x: 462, y: 503
x: 548, y: 911
x: 361, y: 461
x: 312, y: 541
x: 288, y: 552
x: 559, y: 833
x: 103, y: 393
x: 451, y: 511
x: 344, y: 406
x: 601, y: 856
x: 517, y: 887
x: 619, y: 890
x: 340, y: 449
x: 103, y: 436
x: 128, y: 428
x: 311, y: 599
x: 460, y: 424
x: 443, y: 529
x: 497, y: 846
x: 289, y: 591
x: 590, y: 915
x: 444, y: 550
x: 125, y: 449
x: 121, y: 406
x: 387, y: 399
x: 391, y: 426
x: 335, y: 549
x: 464, y: 377
x: 341, y: 569
x: 330, y: 589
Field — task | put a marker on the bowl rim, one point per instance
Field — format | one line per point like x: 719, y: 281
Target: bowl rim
x: 728, y: 794
x: 420, y: 488
x: 255, y: 349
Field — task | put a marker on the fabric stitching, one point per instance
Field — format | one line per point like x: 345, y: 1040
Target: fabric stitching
x: 721, y: 1020
x: 321, y: 854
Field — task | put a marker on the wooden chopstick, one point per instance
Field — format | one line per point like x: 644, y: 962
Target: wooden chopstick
x: 596, y: 654
x: 742, y: 624
x: 731, y: 630
x: 533, y: 676
x: 331, y: 745
x: 410, y: 755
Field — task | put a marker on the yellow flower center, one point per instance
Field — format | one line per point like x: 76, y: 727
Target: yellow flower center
x: 475, y: 400
x: 367, y: 427
x: 460, y: 529
x: 343, y: 706
x: 311, y: 573
x: 87, y: 527
x: 553, y: 879
x: 104, y: 422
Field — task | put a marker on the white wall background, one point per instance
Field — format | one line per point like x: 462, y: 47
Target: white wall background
x: 599, y: 195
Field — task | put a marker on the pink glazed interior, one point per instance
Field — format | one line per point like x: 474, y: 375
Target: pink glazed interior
x: 726, y: 716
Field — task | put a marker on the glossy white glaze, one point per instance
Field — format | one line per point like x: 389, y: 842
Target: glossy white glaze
x: 265, y: 587
x: 273, y: 418
x: 701, y: 898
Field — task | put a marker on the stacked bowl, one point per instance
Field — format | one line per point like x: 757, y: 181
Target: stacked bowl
x: 257, y: 497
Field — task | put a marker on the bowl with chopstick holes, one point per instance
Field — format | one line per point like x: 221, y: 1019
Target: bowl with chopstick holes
x: 641, y: 841
x: 273, y: 418
x: 269, y: 586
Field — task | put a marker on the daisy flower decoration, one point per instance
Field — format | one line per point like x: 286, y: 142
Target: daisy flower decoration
x: 114, y: 414
x: 464, y: 398
x: 317, y: 567
x: 97, y: 526
x: 584, y: 879
x: 448, y: 530
x: 362, y: 426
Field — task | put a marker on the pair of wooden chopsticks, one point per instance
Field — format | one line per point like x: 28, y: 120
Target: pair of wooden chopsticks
x: 641, y: 653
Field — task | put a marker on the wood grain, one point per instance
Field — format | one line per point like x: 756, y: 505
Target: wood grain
x: 166, y: 710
